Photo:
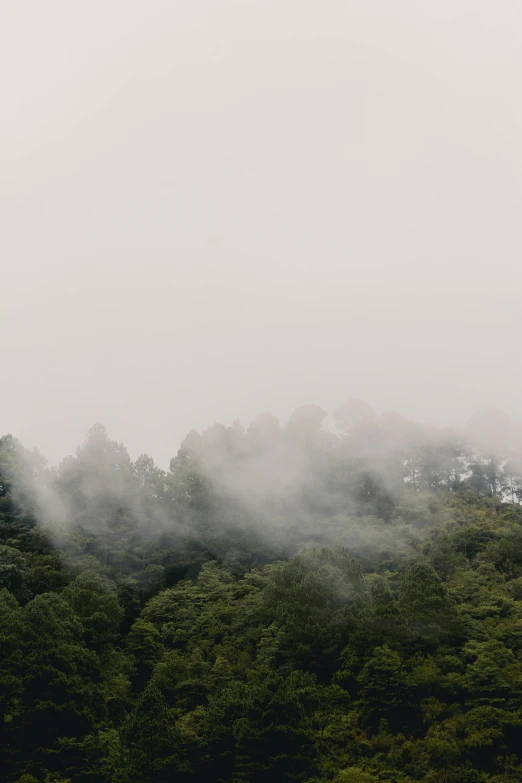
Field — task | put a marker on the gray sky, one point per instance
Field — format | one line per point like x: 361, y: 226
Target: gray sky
x: 211, y: 208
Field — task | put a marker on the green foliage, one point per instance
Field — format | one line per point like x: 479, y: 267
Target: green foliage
x: 143, y: 643
x: 366, y: 628
x: 352, y: 775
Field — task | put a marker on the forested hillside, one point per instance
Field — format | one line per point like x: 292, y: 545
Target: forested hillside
x: 283, y: 604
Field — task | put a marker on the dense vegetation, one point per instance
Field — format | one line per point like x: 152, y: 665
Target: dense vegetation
x: 283, y: 604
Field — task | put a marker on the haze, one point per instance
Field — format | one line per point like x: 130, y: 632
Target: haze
x: 213, y: 208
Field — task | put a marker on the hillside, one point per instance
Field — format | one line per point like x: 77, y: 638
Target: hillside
x: 284, y: 603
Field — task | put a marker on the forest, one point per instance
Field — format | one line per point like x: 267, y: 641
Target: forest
x: 285, y: 602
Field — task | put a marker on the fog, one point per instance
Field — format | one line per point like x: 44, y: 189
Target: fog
x: 210, y: 209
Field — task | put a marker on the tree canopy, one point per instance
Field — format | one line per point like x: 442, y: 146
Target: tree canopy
x: 283, y: 603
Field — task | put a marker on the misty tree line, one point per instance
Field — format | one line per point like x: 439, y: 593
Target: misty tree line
x: 283, y: 602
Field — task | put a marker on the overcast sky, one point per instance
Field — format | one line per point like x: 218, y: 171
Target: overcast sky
x: 212, y: 208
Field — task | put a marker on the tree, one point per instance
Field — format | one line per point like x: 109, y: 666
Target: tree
x: 95, y: 601
x: 424, y: 601
x: 60, y: 695
x: 382, y: 688
x: 144, y: 645
x: 152, y: 743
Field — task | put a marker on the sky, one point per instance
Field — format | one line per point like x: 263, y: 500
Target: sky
x: 214, y: 208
